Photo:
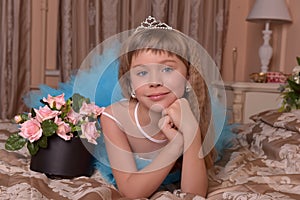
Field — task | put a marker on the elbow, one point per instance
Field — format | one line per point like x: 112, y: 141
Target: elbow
x: 196, y: 189
x: 134, y: 193
x: 202, y: 193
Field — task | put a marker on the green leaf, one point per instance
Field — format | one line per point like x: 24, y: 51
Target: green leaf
x: 298, y: 60
x: 78, y: 100
x: 49, y: 127
x: 32, y: 148
x: 66, y: 108
x: 15, y: 142
x: 33, y: 114
x: 293, y: 85
x: 24, y: 117
x: 43, y: 142
x: 75, y: 129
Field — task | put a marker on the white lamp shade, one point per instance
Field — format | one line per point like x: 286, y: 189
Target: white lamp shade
x: 269, y: 10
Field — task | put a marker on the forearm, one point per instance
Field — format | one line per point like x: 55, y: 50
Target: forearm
x: 144, y: 182
x: 194, y: 173
x: 141, y: 184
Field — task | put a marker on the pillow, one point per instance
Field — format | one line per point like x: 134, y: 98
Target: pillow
x: 286, y: 120
x: 275, y: 137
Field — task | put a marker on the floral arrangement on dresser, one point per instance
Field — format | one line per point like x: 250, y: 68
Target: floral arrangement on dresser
x: 74, y: 117
x: 290, y: 92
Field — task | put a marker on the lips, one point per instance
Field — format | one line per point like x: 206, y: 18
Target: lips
x: 157, y: 96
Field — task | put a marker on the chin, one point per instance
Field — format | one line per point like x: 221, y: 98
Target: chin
x: 157, y: 107
x: 160, y: 106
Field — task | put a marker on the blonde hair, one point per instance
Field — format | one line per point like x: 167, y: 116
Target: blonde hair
x: 175, y: 43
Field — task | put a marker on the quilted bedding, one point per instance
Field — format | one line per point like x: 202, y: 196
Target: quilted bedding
x: 263, y: 163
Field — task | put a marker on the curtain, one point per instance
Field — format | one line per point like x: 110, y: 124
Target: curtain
x: 84, y: 24
x: 14, y: 55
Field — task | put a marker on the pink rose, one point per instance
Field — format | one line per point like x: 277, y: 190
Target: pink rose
x: 73, y: 116
x: 59, y: 101
x: 63, y: 129
x: 90, y: 109
x: 98, y: 110
x: 18, y: 119
x: 90, y: 132
x: 31, y: 130
x: 45, y: 113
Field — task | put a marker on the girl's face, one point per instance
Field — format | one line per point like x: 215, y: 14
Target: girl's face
x: 158, y: 79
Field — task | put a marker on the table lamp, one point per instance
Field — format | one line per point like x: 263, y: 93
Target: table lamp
x: 267, y: 11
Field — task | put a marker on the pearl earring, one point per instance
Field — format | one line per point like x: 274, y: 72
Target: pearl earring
x: 187, y: 88
x: 133, y: 94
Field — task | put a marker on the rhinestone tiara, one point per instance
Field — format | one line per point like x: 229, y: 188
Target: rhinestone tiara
x: 152, y: 23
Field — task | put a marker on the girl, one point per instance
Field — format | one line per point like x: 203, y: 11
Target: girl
x: 165, y: 118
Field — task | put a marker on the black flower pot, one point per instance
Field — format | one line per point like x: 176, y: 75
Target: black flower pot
x: 64, y: 159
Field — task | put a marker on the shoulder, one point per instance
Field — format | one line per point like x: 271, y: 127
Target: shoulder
x: 113, y: 124
x: 118, y: 112
x: 116, y: 108
x: 122, y: 104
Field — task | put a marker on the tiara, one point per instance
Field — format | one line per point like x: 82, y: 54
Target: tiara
x: 152, y: 23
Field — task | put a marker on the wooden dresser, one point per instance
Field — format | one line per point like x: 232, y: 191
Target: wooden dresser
x: 245, y: 99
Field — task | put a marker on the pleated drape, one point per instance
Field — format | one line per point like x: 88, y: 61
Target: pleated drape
x: 92, y: 21
x: 15, y: 22
x: 83, y: 24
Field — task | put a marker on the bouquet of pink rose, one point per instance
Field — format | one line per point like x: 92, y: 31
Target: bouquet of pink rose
x: 74, y: 117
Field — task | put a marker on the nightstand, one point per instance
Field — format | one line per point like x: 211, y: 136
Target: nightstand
x: 250, y: 98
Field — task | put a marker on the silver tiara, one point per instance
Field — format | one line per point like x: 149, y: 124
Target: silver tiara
x: 152, y: 23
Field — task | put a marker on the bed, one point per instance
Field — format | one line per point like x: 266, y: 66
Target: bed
x: 262, y: 163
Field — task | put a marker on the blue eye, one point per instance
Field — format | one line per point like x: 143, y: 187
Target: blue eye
x: 141, y: 73
x: 167, y: 69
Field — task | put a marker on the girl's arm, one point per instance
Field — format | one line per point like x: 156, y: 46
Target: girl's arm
x: 194, y: 175
x: 131, y: 182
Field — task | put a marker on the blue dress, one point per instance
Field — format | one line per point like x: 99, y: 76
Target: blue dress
x: 101, y: 163
x: 101, y: 158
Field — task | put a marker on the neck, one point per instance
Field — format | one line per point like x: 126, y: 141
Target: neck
x: 148, y: 117
x: 152, y: 125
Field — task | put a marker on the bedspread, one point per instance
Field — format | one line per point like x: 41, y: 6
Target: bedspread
x: 17, y: 181
x: 263, y: 163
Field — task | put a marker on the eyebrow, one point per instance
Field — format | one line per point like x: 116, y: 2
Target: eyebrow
x: 161, y: 62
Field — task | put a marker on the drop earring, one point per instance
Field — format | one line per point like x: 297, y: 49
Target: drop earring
x: 187, y: 88
x: 133, y: 94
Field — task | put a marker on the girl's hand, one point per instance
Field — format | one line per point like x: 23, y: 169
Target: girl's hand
x: 168, y: 127
x: 181, y: 115
x: 176, y: 141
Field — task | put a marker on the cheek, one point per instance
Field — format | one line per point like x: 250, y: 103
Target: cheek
x: 178, y: 89
x: 139, y: 90
x: 176, y: 85
x: 137, y: 83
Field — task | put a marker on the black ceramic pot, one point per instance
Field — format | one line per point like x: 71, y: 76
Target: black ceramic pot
x: 63, y: 159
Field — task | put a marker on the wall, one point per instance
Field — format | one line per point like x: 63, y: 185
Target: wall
x: 246, y: 38
x: 44, y: 37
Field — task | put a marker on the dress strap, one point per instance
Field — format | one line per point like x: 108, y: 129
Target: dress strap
x: 111, y: 117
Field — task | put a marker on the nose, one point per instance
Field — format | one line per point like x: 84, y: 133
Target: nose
x: 155, y: 84
x: 155, y: 80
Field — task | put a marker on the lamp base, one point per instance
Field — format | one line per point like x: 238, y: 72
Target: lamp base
x: 265, y: 51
